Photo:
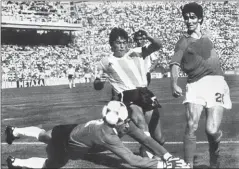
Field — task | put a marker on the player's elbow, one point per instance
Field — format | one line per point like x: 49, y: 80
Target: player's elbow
x: 157, y: 44
x: 98, y: 85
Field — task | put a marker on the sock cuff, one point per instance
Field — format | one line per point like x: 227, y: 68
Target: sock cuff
x: 216, y: 137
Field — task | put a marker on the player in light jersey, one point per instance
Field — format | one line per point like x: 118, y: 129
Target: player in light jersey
x: 71, y: 76
x: 206, y: 88
x: 140, y: 40
x: 126, y: 72
x: 74, y: 141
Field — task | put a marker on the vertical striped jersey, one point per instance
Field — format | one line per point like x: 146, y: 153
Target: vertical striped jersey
x: 127, y: 72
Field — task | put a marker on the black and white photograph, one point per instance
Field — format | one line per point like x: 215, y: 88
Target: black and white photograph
x: 120, y: 84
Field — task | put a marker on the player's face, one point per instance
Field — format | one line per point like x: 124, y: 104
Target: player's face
x: 120, y: 47
x: 192, y: 21
x: 123, y: 126
x: 140, y: 41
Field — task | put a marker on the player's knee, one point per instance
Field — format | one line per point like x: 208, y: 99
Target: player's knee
x: 212, y: 128
x: 44, y: 137
x: 192, y: 127
x: 140, y: 123
x: 160, y: 139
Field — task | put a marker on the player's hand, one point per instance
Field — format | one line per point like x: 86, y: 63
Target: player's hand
x: 177, y: 91
x: 176, y: 162
x: 144, y: 33
x: 103, y: 77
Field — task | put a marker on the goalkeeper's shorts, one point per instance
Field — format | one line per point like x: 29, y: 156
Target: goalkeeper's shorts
x: 57, y: 147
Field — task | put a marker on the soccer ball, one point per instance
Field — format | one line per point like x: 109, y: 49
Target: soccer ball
x: 114, y: 111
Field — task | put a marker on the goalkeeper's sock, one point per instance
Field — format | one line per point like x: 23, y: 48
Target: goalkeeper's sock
x: 189, y: 149
x: 28, y: 131
x: 33, y: 162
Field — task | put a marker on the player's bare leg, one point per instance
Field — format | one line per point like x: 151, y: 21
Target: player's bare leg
x: 154, y: 124
x: 70, y: 84
x: 36, y: 132
x: 213, y: 120
x: 138, y: 118
x: 73, y: 83
x: 34, y: 162
x: 32, y: 131
x: 193, y: 113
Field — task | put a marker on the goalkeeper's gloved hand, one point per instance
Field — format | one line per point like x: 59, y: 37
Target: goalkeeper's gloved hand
x: 175, y: 162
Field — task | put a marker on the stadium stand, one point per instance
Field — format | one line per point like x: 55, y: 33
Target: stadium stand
x: 96, y: 19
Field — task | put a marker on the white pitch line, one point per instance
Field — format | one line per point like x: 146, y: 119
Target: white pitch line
x: 126, y: 142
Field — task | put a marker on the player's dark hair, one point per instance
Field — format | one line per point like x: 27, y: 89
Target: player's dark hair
x: 116, y: 33
x: 195, y: 8
x: 138, y: 34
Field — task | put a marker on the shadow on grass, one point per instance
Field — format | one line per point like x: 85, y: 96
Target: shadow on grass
x: 203, y: 166
x: 105, y: 159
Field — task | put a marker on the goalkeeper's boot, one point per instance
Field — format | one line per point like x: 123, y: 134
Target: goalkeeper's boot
x: 10, y: 160
x: 9, y: 134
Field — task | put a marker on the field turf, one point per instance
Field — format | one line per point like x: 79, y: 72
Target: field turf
x: 52, y: 105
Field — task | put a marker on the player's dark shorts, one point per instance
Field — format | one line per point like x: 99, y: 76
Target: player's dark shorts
x: 70, y: 77
x: 142, y: 97
x: 57, y: 148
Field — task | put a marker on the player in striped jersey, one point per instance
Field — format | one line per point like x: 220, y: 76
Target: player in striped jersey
x: 74, y: 141
x: 140, y: 40
x: 206, y: 88
x: 126, y: 72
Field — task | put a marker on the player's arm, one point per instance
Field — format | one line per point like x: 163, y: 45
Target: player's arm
x: 155, y: 44
x: 154, y: 64
x: 100, y: 78
x: 115, y: 145
x: 175, y: 67
x: 145, y: 140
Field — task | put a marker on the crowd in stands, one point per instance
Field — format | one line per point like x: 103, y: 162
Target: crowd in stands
x: 160, y: 18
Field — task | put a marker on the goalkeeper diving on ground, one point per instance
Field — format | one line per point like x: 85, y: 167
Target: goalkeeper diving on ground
x: 73, y: 141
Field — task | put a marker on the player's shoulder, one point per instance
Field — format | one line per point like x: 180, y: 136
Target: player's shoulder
x: 136, y: 49
x: 207, y: 35
x: 135, y: 52
x: 111, y: 137
x: 182, y: 41
x: 106, y: 60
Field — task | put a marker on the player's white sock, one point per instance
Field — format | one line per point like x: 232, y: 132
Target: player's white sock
x: 161, y: 164
x: 166, y: 156
x: 33, y: 162
x: 28, y: 131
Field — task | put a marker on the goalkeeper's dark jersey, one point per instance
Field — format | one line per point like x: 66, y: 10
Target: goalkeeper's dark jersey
x: 93, y: 137
x: 196, y: 57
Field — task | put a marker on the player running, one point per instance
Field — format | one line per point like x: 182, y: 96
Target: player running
x: 73, y: 141
x: 206, y: 88
x: 126, y: 73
